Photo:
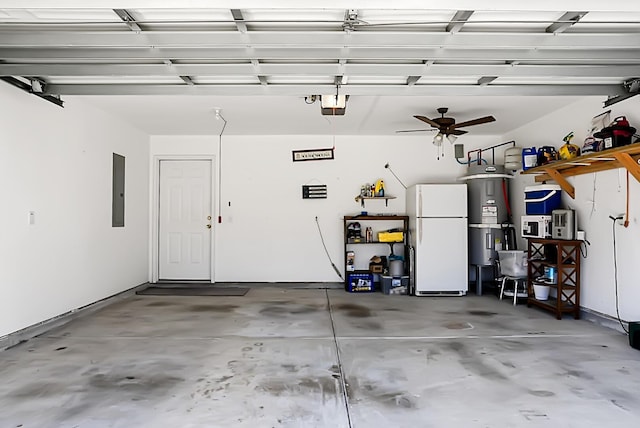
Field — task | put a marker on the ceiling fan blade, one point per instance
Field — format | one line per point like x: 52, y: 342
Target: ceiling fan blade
x: 416, y: 130
x: 429, y: 121
x: 455, y: 131
x: 478, y: 121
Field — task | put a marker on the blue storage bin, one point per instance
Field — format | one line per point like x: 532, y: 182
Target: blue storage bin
x: 542, y: 199
x: 358, y: 282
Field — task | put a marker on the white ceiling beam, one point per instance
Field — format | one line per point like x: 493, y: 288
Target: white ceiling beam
x: 458, y: 20
x: 593, y: 56
x: 566, y: 21
x: 319, y: 39
x: 355, y: 90
x: 510, y: 5
x: 413, y: 70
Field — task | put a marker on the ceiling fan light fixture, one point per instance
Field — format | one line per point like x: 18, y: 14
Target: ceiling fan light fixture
x: 452, y: 138
x: 437, y: 140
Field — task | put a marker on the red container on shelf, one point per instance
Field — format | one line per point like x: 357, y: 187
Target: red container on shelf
x: 617, y: 135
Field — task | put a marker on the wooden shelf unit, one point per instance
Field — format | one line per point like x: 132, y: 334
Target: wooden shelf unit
x: 567, y: 264
x: 619, y: 157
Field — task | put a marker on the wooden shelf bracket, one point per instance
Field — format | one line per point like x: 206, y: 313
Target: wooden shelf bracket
x: 559, y: 178
x: 628, y: 162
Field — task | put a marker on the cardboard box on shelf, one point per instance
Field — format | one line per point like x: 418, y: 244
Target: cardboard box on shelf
x: 376, y: 264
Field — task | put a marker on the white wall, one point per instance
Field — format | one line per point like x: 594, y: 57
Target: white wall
x: 269, y: 232
x: 598, y: 195
x: 57, y: 162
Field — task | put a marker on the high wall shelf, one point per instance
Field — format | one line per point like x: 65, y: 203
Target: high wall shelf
x: 361, y: 199
x: 619, y: 157
x: 369, y: 220
x: 564, y: 256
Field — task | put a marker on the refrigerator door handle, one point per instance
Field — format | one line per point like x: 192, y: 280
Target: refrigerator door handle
x: 419, y: 226
x: 487, y: 238
x: 420, y: 204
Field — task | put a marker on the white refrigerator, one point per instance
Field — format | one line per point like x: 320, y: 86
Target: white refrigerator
x: 438, y: 237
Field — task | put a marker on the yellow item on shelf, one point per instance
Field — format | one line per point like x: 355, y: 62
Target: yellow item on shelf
x: 390, y: 236
x: 379, y: 189
x: 568, y: 150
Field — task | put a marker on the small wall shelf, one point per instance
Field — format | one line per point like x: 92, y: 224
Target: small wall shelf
x: 361, y: 199
x: 620, y: 157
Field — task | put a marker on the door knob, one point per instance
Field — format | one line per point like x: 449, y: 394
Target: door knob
x: 208, y: 226
x: 208, y: 217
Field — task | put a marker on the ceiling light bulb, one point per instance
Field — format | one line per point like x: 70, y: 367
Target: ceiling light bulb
x: 452, y: 138
x: 437, y: 140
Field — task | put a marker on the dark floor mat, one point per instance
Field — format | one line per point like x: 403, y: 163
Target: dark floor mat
x: 192, y: 291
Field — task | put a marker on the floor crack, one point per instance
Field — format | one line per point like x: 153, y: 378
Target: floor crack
x: 339, y: 360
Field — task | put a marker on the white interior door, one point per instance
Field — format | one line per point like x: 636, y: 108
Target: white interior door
x: 185, y: 225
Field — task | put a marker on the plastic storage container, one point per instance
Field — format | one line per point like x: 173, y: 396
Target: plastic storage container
x: 394, y: 285
x: 529, y: 158
x: 390, y: 236
x: 513, y: 263
x: 358, y: 282
x: 542, y: 199
x: 513, y: 158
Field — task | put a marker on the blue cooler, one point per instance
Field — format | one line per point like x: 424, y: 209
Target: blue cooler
x: 542, y: 199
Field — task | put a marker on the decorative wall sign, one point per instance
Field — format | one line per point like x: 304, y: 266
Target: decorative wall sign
x: 314, y: 191
x: 313, y: 154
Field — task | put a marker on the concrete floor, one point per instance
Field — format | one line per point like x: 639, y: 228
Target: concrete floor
x: 291, y: 358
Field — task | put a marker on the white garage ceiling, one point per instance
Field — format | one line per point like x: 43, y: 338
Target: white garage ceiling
x: 165, y: 66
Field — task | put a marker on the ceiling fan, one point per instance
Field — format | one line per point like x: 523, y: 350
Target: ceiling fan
x: 447, y: 127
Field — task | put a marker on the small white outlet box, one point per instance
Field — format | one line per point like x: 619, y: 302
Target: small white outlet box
x: 32, y: 217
